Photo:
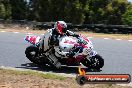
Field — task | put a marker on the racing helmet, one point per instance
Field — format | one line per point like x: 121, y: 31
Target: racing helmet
x: 60, y: 27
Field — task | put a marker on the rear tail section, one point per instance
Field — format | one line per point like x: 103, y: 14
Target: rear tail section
x: 32, y: 39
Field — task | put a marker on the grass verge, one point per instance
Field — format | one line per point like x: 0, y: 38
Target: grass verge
x: 62, y: 82
x: 32, y: 73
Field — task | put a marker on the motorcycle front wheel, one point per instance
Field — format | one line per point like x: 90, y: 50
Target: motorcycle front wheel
x: 32, y: 53
x: 95, y: 62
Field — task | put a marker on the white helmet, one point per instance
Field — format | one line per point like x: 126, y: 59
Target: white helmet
x: 61, y: 27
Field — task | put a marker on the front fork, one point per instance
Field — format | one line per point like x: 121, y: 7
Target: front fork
x: 91, y: 54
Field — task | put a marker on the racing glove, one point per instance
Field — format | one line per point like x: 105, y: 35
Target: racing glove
x: 76, y: 35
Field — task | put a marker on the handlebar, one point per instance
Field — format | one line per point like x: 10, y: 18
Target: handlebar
x: 81, y: 41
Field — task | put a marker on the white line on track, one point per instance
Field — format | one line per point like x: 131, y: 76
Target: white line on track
x: 3, y: 31
x: 106, y: 38
x: 118, y: 39
x: 89, y: 37
x: 29, y: 33
x: 130, y: 40
x: 16, y: 32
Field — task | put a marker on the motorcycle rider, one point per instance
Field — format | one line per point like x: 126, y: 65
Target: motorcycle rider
x: 59, y: 30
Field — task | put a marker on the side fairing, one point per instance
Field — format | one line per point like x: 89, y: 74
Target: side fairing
x: 66, y: 43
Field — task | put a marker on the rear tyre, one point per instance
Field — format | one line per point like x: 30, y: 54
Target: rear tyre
x: 32, y: 53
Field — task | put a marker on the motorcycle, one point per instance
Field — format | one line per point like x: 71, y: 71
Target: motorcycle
x: 41, y: 52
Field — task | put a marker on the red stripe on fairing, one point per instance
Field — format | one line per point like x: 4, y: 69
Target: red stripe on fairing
x: 81, y: 45
x: 69, y: 42
x: 85, y: 38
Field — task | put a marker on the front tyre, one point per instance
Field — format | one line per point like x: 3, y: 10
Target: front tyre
x: 32, y: 53
x: 97, y: 62
x: 94, y: 62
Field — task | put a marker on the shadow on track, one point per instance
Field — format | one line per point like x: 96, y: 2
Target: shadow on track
x: 63, y: 69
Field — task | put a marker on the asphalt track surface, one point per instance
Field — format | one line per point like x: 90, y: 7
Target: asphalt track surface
x: 116, y: 53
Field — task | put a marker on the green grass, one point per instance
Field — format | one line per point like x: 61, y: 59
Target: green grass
x: 32, y: 73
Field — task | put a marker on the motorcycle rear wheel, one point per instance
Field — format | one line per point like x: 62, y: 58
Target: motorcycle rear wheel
x: 32, y: 53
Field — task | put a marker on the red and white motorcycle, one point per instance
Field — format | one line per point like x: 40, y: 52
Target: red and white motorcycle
x: 41, y: 53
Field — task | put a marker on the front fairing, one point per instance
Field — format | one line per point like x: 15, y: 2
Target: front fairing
x: 88, y: 46
x: 66, y: 43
